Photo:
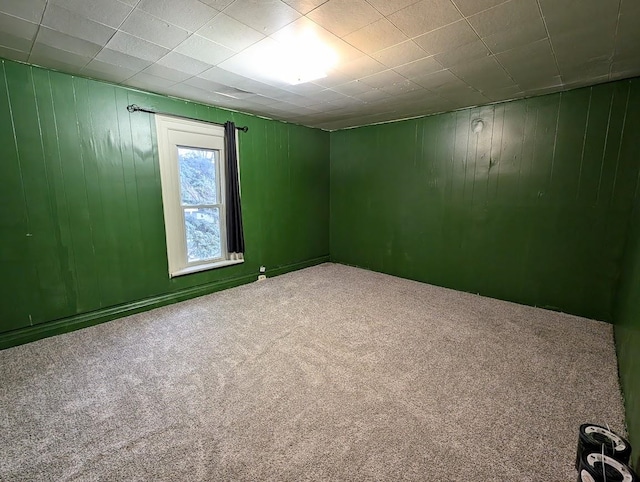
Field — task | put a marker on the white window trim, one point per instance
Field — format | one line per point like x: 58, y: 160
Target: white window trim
x: 171, y: 133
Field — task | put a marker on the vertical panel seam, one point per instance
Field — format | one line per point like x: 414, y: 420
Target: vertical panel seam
x: 604, y: 147
x: 624, y: 121
x: 584, y: 143
x: 15, y: 143
x: 555, y: 140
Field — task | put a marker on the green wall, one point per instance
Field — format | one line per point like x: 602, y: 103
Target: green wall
x: 533, y: 209
x: 81, y: 227
x: 627, y: 330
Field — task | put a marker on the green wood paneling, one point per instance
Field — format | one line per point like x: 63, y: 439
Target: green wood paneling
x: 627, y: 314
x: 532, y: 209
x: 82, y: 229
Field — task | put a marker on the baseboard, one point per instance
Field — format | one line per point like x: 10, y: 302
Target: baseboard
x: 84, y: 320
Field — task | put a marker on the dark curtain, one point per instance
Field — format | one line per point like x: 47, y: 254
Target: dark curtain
x: 235, y: 235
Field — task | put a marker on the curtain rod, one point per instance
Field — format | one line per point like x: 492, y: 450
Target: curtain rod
x: 135, y: 108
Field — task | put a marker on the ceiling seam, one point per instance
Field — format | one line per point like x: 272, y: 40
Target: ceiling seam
x: 110, y: 38
x: 33, y: 43
x: 553, y: 50
x: 466, y: 19
x: 615, y: 40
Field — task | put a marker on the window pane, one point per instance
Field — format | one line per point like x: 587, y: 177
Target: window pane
x: 197, y: 176
x: 202, y: 227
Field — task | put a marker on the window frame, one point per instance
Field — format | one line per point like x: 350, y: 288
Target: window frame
x: 173, y: 133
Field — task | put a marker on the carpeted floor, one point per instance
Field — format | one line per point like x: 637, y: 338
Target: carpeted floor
x: 328, y: 373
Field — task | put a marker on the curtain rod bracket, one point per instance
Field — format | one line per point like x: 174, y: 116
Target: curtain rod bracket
x: 135, y: 108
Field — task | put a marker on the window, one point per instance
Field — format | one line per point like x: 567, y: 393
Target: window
x: 192, y: 170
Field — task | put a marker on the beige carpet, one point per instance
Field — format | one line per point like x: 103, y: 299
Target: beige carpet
x: 328, y: 373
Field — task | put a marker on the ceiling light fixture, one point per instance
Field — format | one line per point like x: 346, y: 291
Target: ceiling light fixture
x: 301, y: 58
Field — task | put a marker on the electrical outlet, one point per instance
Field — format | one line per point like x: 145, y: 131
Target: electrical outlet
x: 262, y: 277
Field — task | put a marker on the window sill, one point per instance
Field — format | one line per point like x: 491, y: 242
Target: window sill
x: 205, y: 267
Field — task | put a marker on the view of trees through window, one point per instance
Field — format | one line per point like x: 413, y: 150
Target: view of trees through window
x: 199, y: 198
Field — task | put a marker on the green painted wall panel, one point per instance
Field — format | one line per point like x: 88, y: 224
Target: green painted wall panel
x: 14, y: 222
x: 82, y: 222
x: 532, y: 209
x: 627, y: 313
x: 627, y: 331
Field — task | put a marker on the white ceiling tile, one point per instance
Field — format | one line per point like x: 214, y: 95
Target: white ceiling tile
x: 362, y: 67
x: 535, y: 60
x: 373, y: 95
x: 9, y: 53
x: 136, y: 47
x: 102, y: 70
x: 50, y: 61
x: 167, y: 73
x: 67, y: 43
x: 575, y: 14
x: 629, y: 67
x: 120, y: 59
x: 250, y: 62
x: 400, y: 54
x: 419, y: 68
x: 30, y: 10
x: 303, y: 26
x: 424, y: 16
x: 627, y: 42
x: 17, y: 27
x: 504, y: 93
x: 543, y: 90
x: 146, y: 81
x: 383, y: 79
x: 533, y: 84
x: 262, y: 100
x: 585, y: 45
x: 470, y: 7
x: 344, y: 16
x: 447, y: 38
x: 465, y: 53
x: 376, y: 36
x: 265, y: 16
x: 307, y: 88
x: 187, y: 14
x: 76, y: 25
x: 518, y: 36
x: 46, y: 56
x: 203, y: 84
x: 352, y: 88
x: 505, y: 17
x: 401, y: 87
x: 218, y: 4
x: 334, y: 78
x: 204, y: 50
x: 437, y: 80
x: 387, y: 7
x: 587, y: 70
x: 483, y: 74
x: 466, y: 98
x: 221, y: 76
x: 108, y: 12
x: 14, y: 42
x: 230, y: 33
x: 153, y: 29
x: 304, y: 6
x: 329, y: 95
x: 182, y: 63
